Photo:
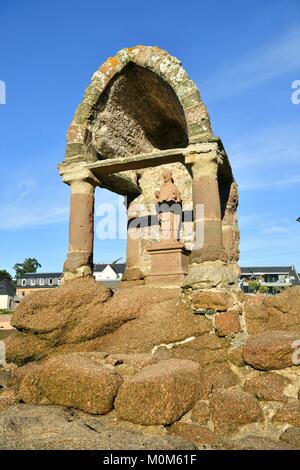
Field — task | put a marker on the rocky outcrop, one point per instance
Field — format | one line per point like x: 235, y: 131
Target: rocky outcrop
x: 210, y: 300
x: 161, y: 323
x: 278, y: 312
x: 200, y: 435
x: 200, y: 412
x: 233, y: 408
x: 228, y: 323
x: 217, y: 376
x: 288, y: 413
x: 271, y: 350
x: 291, y: 436
x: 36, y: 427
x: 159, y: 394
x: 82, y: 314
x: 204, y: 349
x: 268, y: 386
x: 76, y: 380
x: 148, y: 360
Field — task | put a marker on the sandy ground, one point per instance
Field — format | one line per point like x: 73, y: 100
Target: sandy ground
x: 5, y: 318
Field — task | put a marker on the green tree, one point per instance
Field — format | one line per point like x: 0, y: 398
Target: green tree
x: 5, y: 275
x: 29, y: 265
x: 278, y: 289
x: 256, y: 287
x: 263, y: 289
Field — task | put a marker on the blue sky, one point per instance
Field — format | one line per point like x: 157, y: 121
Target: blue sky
x: 244, y: 57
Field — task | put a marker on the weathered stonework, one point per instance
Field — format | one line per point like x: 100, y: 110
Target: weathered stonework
x: 150, y: 360
x: 141, y: 112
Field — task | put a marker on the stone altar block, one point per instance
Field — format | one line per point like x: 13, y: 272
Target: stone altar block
x: 169, y: 263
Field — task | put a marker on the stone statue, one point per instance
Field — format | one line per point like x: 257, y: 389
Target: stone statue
x: 169, y: 208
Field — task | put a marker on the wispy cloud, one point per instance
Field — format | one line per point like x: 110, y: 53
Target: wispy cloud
x: 263, y: 222
x: 271, y: 146
x: 32, y: 197
x: 25, y: 188
x: 271, y: 61
x: 274, y: 229
x: 268, y: 158
x: 13, y: 218
x: 268, y: 237
x: 279, y: 184
x: 258, y: 245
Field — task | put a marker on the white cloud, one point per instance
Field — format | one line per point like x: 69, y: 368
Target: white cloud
x: 278, y: 184
x: 271, y: 61
x: 268, y: 158
x: 274, y: 229
x: 13, y: 218
x: 267, y: 147
x: 25, y: 188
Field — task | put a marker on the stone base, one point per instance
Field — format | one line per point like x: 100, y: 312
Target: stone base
x: 132, y: 274
x: 169, y: 263
x: 210, y: 253
x: 126, y: 284
x: 82, y: 271
x: 213, y: 274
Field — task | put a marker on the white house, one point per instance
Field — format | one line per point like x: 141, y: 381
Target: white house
x: 7, y: 295
x: 109, y: 274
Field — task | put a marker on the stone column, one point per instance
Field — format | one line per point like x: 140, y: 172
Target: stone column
x: 133, y: 271
x: 207, y: 209
x: 229, y: 225
x: 79, y: 262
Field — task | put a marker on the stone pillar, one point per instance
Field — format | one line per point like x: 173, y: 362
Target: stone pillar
x: 79, y: 262
x: 207, y: 209
x: 133, y: 272
x: 229, y: 225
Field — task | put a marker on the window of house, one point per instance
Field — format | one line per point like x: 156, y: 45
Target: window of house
x: 32, y: 282
x: 42, y: 281
x: 50, y: 281
x: 58, y: 282
x: 271, y: 278
x: 23, y: 282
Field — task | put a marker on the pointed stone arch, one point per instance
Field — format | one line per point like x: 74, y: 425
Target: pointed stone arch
x: 160, y: 63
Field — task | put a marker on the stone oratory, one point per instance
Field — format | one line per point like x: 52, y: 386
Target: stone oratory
x: 202, y: 366
x: 141, y: 117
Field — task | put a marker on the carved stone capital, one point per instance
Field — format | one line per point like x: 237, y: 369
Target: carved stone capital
x: 78, y: 176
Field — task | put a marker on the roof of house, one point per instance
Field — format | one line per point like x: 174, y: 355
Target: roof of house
x: 272, y: 270
x: 119, y: 268
x: 7, y: 288
x: 38, y: 275
x: 267, y: 269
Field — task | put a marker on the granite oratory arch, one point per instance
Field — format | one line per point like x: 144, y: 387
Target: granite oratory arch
x: 142, y: 113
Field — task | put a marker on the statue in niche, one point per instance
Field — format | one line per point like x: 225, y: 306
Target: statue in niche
x: 169, y: 208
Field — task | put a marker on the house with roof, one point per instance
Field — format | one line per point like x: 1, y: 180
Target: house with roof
x: 8, y: 299
x: 108, y: 274
x: 30, y: 282
x: 275, y: 278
